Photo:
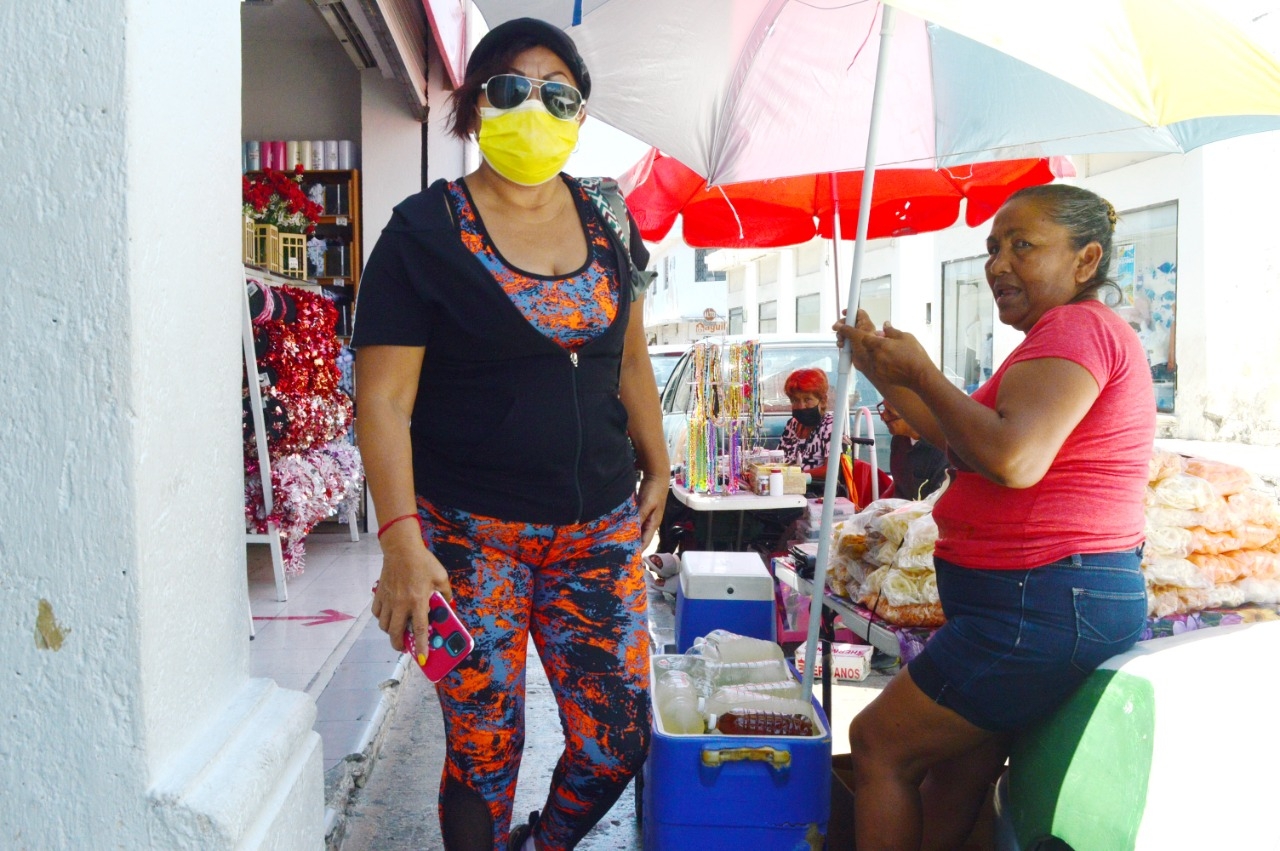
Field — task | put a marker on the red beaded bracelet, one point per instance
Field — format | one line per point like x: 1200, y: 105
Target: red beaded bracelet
x: 390, y: 523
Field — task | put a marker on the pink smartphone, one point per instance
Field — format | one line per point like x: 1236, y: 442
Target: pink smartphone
x: 449, y: 643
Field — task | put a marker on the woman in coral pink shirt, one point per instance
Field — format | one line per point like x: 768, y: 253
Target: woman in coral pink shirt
x: 1040, y: 534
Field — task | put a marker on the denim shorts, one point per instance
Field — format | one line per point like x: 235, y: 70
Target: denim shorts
x: 1017, y: 642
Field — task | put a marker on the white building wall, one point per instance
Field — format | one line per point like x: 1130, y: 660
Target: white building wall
x: 129, y: 719
x: 391, y: 153
x: 676, y: 304
x: 1238, y: 394
x: 445, y: 153
x: 1228, y: 295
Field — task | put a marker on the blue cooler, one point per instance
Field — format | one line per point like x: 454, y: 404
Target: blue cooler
x: 735, y: 793
x: 723, y: 590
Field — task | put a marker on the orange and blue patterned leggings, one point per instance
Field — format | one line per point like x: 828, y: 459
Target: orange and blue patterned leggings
x: 579, y: 592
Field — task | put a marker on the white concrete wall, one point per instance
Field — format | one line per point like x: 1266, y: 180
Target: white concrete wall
x: 128, y: 719
x: 299, y: 89
x: 445, y: 153
x: 1239, y: 389
x: 1228, y: 289
x: 391, y: 147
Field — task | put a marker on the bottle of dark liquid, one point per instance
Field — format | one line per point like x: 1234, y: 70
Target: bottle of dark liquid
x: 762, y: 722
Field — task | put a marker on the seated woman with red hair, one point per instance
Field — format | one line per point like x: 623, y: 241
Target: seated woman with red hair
x: 806, y: 439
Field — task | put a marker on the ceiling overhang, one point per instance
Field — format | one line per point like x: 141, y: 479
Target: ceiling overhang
x: 391, y: 35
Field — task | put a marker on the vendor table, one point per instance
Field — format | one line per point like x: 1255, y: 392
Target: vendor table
x: 739, y: 502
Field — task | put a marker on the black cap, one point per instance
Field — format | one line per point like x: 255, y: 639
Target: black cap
x: 535, y: 32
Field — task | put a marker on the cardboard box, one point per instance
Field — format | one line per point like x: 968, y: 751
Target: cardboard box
x: 793, y: 481
x: 849, y: 662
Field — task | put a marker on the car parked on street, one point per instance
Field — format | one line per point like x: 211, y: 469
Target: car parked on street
x: 664, y: 359
x: 780, y: 355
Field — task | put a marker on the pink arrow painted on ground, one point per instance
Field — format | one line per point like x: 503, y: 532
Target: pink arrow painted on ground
x: 325, y: 616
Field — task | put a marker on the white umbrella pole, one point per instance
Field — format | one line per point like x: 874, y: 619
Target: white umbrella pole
x: 846, y: 358
x: 835, y: 236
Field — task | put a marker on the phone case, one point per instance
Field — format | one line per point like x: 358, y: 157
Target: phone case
x: 449, y: 642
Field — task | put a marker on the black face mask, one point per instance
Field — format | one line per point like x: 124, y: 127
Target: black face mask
x: 807, y: 417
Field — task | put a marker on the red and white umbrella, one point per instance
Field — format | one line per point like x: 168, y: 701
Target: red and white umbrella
x: 791, y: 210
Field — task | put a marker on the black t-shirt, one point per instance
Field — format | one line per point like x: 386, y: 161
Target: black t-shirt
x: 506, y: 423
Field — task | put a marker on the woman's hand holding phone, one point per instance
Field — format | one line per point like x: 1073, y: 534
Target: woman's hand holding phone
x: 448, y: 644
x: 410, y: 575
x: 447, y: 641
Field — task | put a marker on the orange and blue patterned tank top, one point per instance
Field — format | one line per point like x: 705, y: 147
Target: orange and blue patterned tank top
x: 571, y: 310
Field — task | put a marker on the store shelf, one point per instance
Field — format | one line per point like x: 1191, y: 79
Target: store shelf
x: 339, y: 225
x: 854, y: 617
x: 276, y: 280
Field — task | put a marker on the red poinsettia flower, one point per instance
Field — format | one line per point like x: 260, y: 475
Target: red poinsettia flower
x: 277, y: 198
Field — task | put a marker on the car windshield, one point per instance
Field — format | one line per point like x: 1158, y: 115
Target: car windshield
x: 663, y: 364
x: 778, y: 359
x: 778, y: 362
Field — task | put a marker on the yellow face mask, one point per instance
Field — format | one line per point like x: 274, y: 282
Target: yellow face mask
x: 526, y: 144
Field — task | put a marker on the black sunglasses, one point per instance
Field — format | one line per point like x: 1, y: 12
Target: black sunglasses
x: 507, y: 91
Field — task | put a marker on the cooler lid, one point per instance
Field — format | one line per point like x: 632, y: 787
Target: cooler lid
x: 725, y: 576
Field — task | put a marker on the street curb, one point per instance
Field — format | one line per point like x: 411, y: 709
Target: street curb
x: 344, y: 780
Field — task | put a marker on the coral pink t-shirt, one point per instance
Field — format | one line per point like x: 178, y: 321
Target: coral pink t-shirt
x: 1090, y: 500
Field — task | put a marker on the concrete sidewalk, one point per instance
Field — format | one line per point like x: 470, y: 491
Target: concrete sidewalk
x: 379, y: 719
x: 396, y: 808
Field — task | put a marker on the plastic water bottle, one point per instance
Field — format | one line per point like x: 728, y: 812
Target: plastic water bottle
x: 678, y: 704
x: 723, y: 700
x: 782, y: 688
x: 725, y: 646
x: 735, y: 673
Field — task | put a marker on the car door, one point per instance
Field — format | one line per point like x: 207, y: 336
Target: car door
x: 675, y: 402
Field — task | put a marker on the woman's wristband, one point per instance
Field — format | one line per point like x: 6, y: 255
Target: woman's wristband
x: 395, y: 520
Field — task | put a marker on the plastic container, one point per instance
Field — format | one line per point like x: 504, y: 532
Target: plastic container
x: 782, y: 688
x: 733, y: 673
x: 727, y: 700
x: 725, y: 646
x: 677, y: 702
x: 777, y: 483
x: 763, y: 722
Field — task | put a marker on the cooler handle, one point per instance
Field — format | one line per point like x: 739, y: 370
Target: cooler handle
x: 777, y: 759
